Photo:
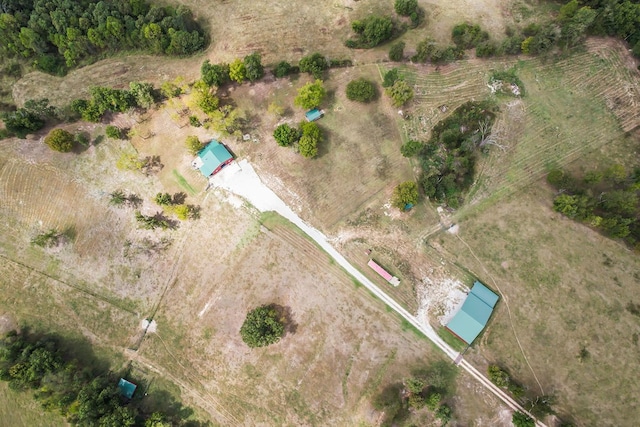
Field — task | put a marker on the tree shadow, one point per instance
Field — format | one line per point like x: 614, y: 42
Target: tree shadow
x: 290, y: 326
x: 179, y: 198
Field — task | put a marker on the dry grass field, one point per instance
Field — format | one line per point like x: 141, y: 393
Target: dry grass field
x: 568, y: 289
x: 345, y: 345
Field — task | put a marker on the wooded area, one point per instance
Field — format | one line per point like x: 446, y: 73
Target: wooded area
x: 60, y: 34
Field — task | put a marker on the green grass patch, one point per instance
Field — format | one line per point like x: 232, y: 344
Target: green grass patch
x: 451, y: 339
x: 182, y: 182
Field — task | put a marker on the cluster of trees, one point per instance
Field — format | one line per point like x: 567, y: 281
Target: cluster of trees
x: 539, y: 406
x: 428, y: 388
x: 607, y: 200
x: 250, y: 68
x: 77, y: 389
x: 448, y: 158
x: 410, y: 9
x: 104, y: 100
x: 618, y: 18
x: 263, y: 326
x: 176, y: 205
x: 305, y: 139
x: 397, y: 88
x: 29, y: 118
x: 58, y: 34
x: 429, y: 51
x: 372, y: 31
x: 361, y: 90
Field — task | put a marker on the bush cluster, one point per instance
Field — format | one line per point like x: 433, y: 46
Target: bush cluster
x: 609, y: 201
x: 79, y: 389
x: 361, y: 90
x: 372, y: 31
x: 448, y: 159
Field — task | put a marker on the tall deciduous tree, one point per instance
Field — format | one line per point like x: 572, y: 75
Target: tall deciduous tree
x: 405, y: 194
x: 237, y: 71
x: 310, y: 95
x: 253, y: 67
x: 263, y: 326
x: 286, y: 135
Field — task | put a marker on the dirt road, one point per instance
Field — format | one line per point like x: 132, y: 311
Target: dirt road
x: 241, y: 179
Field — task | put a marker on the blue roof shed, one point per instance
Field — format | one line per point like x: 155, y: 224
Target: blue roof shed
x: 126, y: 388
x: 212, y: 158
x: 313, y: 115
x: 474, y: 313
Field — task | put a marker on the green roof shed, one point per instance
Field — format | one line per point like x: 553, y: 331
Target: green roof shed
x: 212, y: 158
x: 474, y: 314
x: 126, y: 388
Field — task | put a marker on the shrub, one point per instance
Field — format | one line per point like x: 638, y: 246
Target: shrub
x: 286, y: 135
x: 81, y: 138
x: 253, y: 67
x: 263, y: 326
x: 406, y: 7
x: 193, y: 144
x: 194, y: 121
x: 520, y: 419
x: 113, y: 132
x: 512, y: 45
x: 486, y: 49
x: 396, y: 52
x: 311, y: 137
x: 467, y: 36
x: 59, y: 140
x: 47, y: 239
x: 372, y: 31
x: 411, y: 148
x: 314, y: 64
x: 361, y: 90
x: 390, y: 77
x: 214, y: 74
x: 400, y: 93
x: 237, y: 71
x: 282, y: 69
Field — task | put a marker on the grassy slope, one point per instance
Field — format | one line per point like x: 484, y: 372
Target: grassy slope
x: 20, y: 410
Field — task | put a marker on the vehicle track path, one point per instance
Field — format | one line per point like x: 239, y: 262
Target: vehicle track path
x: 242, y: 180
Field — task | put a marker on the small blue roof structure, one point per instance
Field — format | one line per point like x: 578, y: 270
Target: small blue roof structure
x: 126, y: 388
x: 474, y: 313
x: 212, y: 157
x: 313, y: 115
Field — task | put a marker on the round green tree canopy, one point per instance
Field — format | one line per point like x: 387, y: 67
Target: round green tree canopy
x: 263, y: 326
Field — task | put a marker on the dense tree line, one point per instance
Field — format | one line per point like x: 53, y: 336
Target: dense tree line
x: 608, y: 201
x: 448, y: 158
x: 104, y: 99
x: 620, y: 18
x: 58, y: 34
x: 79, y: 390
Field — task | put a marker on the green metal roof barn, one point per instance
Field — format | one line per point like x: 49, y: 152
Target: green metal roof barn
x: 126, y: 388
x: 212, y: 158
x: 474, y: 313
